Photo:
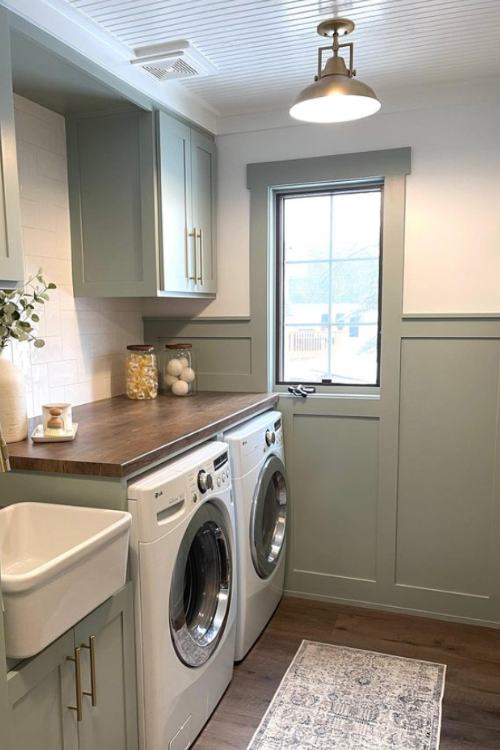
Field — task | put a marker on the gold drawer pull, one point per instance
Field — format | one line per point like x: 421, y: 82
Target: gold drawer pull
x: 199, y: 236
x: 78, y: 684
x: 192, y: 278
x: 93, y: 690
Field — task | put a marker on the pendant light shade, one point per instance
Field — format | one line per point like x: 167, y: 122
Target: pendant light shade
x: 335, y: 96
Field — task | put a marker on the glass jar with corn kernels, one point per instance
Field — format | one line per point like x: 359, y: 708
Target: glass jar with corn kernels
x: 179, y: 375
x: 142, y: 372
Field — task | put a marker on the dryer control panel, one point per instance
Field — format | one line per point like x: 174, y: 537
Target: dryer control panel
x: 253, y: 439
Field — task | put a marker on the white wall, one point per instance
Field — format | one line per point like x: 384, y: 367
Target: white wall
x: 452, y: 258
x: 83, y: 359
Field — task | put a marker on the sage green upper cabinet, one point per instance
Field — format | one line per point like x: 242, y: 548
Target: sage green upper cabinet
x: 177, y: 236
x: 187, y: 201
x: 203, y: 209
x: 11, y: 251
x: 112, y: 204
x: 142, y: 201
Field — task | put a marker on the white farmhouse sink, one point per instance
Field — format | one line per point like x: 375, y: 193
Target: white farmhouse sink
x: 57, y: 564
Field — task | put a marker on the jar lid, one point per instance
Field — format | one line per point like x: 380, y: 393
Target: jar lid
x: 178, y: 346
x: 147, y: 348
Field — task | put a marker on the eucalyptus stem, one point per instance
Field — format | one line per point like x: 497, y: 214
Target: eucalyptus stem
x: 18, y: 316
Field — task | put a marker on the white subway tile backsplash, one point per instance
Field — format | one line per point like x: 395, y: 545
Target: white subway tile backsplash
x: 57, y: 270
x: 36, y: 130
x: 51, y: 352
x: 51, y: 165
x: 64, y: 372
x: 39, y: 243
x: 84, y: 356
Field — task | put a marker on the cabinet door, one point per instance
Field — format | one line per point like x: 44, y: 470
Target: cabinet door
x: 111, y: 167
x: 112, y: 722
x: 40, y: 693
x: 178, y: 262
x: 11, y: 251
x: 203, y: 166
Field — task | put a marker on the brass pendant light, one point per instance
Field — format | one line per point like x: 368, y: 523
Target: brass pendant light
x: 335, y: 95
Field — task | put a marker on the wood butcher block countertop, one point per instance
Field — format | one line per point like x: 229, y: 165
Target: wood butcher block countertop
x: 117, y: 437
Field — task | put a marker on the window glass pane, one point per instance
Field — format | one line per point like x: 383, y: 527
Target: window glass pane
x: 354, y: 354
x: 307, y: 291
x: 356, y: 225
x: 355, y: 290
x: 329, y: 300
x: 305, y: 353
x: 306, y: 228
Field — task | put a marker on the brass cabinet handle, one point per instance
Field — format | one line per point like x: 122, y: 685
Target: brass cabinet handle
x: 78, y: 684
x: 93, y: 689
x: 192, y: 278
x: 199, y: 235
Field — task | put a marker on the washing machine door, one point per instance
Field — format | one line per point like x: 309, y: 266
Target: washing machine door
x: 201, y: 587
x: 268, y: 517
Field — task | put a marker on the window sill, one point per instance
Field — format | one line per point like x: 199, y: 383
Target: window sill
x: 372, y: 395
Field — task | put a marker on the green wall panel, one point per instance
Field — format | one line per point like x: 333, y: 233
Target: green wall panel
x: 335, y: 479
x: 447, y: 464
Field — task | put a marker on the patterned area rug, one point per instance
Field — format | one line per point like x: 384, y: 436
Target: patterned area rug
x: 349, y: 699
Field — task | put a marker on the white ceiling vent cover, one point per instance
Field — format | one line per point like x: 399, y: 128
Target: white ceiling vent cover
x: 171, y: 60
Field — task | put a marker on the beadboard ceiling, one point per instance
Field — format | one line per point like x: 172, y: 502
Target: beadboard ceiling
x: 265, y: 50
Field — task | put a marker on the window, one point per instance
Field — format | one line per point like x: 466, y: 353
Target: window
x: 329, y: 278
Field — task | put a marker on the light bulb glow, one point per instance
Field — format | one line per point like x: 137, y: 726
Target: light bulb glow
x: 334, y: 107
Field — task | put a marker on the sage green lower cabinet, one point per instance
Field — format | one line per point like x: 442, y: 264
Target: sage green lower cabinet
x: 11, y: 251
x: 39, y: 693
x: 43, y: 691
x: 112, y: 723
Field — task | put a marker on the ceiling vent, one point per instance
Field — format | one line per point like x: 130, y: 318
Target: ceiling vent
x: 172, y: 60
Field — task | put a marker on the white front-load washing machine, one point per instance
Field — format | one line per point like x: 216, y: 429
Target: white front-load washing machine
x: 184, y: 568
x: 260, y: 497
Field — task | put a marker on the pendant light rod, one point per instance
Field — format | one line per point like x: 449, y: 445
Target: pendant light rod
x: 336, y: 27
x: 335, y: 48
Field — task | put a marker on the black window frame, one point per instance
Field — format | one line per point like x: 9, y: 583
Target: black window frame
x: 362, y: 186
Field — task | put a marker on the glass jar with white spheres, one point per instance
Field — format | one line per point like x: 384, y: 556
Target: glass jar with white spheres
x: 179, y: 370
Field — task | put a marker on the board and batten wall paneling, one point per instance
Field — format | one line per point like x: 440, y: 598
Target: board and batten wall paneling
x: 224, y: 350
x: 394, y: 492
x: 447, y: 465
x: 334, y: 479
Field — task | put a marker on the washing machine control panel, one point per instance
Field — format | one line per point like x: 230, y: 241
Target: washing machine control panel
x: 210, y: 477
x: 205, y: 481
x: 270, y: 437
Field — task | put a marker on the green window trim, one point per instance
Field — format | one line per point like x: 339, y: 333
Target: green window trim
x: 264, y: 181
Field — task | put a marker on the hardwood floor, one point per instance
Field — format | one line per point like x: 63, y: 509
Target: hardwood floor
x: 471, y: 708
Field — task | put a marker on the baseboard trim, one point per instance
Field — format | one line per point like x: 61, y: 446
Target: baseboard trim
x: 393, y: 608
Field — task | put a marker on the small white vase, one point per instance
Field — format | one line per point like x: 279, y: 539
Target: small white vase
x: 13, y: 413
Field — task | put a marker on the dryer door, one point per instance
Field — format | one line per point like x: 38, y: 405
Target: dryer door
x: 201, y: 588
x: 268, y: 518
